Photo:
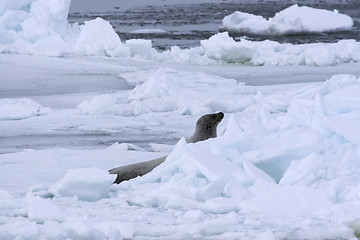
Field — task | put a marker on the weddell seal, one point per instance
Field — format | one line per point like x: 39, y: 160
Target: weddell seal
x: 205, y: 129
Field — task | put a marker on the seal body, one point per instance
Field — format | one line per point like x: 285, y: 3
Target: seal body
x: 134, y: 170
x: 205, y: 128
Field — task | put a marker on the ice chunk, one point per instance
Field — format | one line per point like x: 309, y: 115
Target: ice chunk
x: 40, y: 27
x: 87, y: 184
x: 10, y: 205
x: 41, y: 210
x: 97, y: 38
x: 224, y: 49
x: 119, y: 229
x: 16, y: 109
x: 292, y: 20
x: 37, y: 21
x: 165, y: 89
x: 103, y: 104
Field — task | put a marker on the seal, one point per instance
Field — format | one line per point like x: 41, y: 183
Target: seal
x: 206, y: 127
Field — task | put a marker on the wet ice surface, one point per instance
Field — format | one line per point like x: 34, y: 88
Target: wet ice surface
x: 187, y: 24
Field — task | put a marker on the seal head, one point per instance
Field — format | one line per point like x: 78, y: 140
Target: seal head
x: 206, y: 127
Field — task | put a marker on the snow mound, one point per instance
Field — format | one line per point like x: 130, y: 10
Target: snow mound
x: 298, y: 155
x: 168, y: 90
x: 98, y: 38
x: 40, y: 27
x: 10, y: 206
x: 17, y: 109
x: 35, y: 26
x: 292, y: 20
x: 224, y: 49
x: 87, y: 184
x: 141, y: 48
x: 41, y: 210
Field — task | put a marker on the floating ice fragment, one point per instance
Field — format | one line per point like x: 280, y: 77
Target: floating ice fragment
x: 87, y: 184
x: 292, y: 20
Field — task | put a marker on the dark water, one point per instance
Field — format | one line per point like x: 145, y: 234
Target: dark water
x: 187, y: 24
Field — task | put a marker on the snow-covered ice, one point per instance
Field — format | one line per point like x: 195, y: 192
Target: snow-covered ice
x: 15, y: 109
x: 223, y: 48
x: 285, y: 164
x: 292, y: 20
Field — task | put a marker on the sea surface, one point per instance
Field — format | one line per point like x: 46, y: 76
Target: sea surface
x: 185, y: 25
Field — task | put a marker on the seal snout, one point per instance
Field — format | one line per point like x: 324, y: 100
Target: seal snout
x: 220, y: 115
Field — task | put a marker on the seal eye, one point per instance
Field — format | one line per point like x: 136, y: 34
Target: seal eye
x: 208, y: 126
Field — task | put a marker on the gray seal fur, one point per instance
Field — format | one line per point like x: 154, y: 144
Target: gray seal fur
x: 205, y: 128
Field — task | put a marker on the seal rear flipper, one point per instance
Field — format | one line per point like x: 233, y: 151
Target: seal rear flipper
x: 134, y: 170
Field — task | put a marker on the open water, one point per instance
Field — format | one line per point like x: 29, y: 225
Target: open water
x: 187, y: 24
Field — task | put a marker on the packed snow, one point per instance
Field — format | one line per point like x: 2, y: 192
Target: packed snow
x: 285, y: 164
x: 292, y: 20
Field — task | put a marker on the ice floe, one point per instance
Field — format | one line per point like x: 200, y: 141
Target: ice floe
x: 168, y: 90
x: 224, y: 49
x: 292, y: 20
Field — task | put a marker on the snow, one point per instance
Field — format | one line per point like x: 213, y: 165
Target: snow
x: 41, y: 210
x: 292, y: 20
x: 87, y: 184
x: 29, y: 25
x: 41, y: 28
x: 15, y: 109
x: 285, y: 164
x: 224, y: 49
x: 165, y: 91
x: 97, y: 38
